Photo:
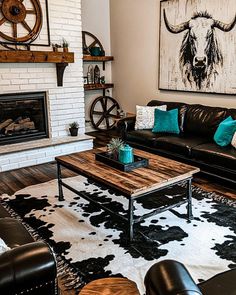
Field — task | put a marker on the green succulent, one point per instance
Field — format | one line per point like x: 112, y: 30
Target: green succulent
x: 64, y: 43
x: 74, y: 125
x: 114, y: 145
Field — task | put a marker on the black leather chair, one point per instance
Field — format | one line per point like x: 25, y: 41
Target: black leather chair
x: 170, y: 277
x: 30, y: 266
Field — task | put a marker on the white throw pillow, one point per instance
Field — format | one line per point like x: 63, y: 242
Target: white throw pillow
x: 233, y: 142
x: 3, y: 247
x: 145, y: 116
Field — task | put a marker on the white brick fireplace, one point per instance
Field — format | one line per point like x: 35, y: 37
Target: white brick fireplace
x: 65, y: 104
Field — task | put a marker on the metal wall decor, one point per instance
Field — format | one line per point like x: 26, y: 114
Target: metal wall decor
x: 90, y: 42
x: 198, y: 46
x: 24, y: 22
x: 103, y: 112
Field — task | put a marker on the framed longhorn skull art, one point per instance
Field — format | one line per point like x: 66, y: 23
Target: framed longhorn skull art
x: 198, y: 46
x: 24, y: 23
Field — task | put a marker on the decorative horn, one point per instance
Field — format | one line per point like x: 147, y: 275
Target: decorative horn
x: 225, y: 27
x: 177, y: 28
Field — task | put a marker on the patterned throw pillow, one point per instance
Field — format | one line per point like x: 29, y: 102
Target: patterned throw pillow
x: 145, y: 116
x: 233, y: 142
x: 3, y: 247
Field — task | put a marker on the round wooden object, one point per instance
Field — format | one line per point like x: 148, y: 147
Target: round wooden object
x: 92, y: 42
x: 15, y: 13
x: 110, y: 286
x: 103, y: 111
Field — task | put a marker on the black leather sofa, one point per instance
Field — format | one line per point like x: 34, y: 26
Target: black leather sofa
x: 30, y: 266
x: 170, y: 277
x: 194, y: 145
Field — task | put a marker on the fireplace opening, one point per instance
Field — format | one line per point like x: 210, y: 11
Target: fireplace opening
x: 23, y: 117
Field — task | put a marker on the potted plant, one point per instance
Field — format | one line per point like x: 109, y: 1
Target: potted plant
x: 114, y: 146
x: 74, y: 127
x: 65, y: 45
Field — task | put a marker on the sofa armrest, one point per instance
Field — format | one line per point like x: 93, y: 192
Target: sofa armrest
x: 125, y: 125
x: 170, y: 277
x: 25, y: 267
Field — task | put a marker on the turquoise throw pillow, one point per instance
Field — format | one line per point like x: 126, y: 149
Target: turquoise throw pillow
x: 166, y: 121
x: 225, y: 132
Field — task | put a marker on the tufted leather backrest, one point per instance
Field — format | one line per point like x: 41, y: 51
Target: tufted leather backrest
x: 198, y: 119
x: 232, y: 113
x: 203, y: 120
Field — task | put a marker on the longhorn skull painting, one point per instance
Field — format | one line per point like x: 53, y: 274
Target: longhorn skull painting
x: 200, y: 58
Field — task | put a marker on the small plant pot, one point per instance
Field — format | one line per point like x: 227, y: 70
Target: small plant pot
x: 65, y: 49
x: 73, y: 131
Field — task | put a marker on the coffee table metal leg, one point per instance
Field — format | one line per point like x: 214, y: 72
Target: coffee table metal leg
x: 189, y: 194
x: 131, y: 219
x: 59, y: 180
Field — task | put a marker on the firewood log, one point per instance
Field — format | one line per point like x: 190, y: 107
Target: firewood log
x: 13, y: 127
x: 5, y: 123
x: 22, y: 121
x: 28, y: 125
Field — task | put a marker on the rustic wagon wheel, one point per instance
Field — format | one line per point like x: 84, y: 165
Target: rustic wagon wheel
x: 15, y: 13
x: 103, y: 112
x: 93, y: 40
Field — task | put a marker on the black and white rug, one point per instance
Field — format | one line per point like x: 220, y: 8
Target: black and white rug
x: 94, y: 243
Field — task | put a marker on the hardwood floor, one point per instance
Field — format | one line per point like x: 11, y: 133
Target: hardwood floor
x: 12, y: 181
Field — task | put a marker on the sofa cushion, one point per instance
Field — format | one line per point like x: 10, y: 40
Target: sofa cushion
x: 179, y: 144
x: 166, y: 122
x: 144, y: 137
x: 213, y: 154
x: 145, y: 116
x: 14, y: 233
x: 225, y: 132
x: 203, y: 120
x: 170, y: 106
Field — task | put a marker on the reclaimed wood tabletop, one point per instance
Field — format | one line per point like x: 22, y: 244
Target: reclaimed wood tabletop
x: 160, y: 172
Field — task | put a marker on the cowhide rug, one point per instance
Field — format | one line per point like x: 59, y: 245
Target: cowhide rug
x: 95, y: 243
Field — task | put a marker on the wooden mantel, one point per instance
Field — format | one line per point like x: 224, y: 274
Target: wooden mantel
x: 61, y: 59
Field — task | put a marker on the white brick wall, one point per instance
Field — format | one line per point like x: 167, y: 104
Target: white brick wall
x: 66, y: 104
x: 41, y: 155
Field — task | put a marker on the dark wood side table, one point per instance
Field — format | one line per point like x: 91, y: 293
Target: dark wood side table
x: 110, y: 286
x: 127, y: 115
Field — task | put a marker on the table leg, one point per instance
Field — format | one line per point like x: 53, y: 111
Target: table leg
x: 59, y: 180
x: 189, y: 195
x: 131, y: 219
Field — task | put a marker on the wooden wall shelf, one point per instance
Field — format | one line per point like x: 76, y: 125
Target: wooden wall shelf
x: 61, y: 59
x: 97, y: 58
x: 103, y: 59
x: 98, y: 86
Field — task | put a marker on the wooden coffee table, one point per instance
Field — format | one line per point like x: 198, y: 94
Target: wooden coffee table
x: 160, y: 174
